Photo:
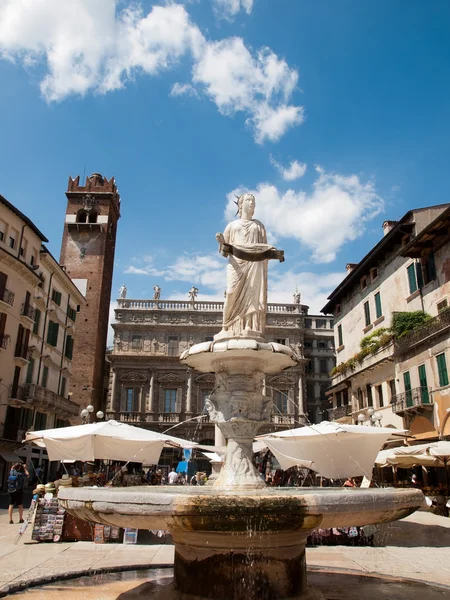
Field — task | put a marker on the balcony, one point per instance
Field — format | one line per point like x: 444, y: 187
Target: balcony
x: 4, y: 341
x: 412, y: 401
x: 169, y: 418
x: 421, y: 334
x: 7, y: 297
x: 339, y: 412
x: 22, y: 356
x: 131, y: 417
x: 28, y: 311
x: 283, y: 419
x: 17, y: 394
x: 48, y: 401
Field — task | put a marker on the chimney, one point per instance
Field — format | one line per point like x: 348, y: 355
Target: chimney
x: 388, y: 226
x: 349, y: 267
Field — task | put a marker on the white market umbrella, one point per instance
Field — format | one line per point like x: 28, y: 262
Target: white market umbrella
x: 432, y: 454
x: 108, y: 440
x: 334, y: 450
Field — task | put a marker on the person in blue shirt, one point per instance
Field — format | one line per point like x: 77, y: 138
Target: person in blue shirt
x: 16, y: 482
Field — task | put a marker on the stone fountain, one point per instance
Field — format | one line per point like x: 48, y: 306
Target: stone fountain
x: 238, y: 539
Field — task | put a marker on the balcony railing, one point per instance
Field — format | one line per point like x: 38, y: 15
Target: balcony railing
x: 28, y: 311
x: 339, y: 412
x: 131, y: 417
x: 7, y: 297
x: 50, y: 401
x: 420, y: 334
x: 283, y: 420
x: 414, y: 399
x: 200, y: 306
x: 4, y: 341
x: 18, y: 392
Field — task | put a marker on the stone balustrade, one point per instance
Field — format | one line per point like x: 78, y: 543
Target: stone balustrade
x: 422, y: 333
x: 131, y: 304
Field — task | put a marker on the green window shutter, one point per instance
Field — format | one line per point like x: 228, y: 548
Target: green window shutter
x: 55, y: 334
x: 69, y: 347
x: 37, y: 319
x: 442, y: 370
x: 50, y: 332
x: 44, y: 376
x: 407, y: 383
x: 30, y: 369
x: 378, y: 309
x: 423, y: 385
x: 412, y: 278
x: 367, y: 313
x: 419, y: 275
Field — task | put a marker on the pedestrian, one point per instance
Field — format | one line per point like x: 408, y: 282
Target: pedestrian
x: 194, y: 480
x: 16, y: 481
x: 173, y: 477
x: 350, y: 482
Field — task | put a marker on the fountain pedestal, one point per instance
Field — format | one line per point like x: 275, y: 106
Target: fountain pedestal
x: 238, y: 405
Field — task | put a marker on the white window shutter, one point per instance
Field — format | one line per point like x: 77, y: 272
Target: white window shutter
x: 161, y: 400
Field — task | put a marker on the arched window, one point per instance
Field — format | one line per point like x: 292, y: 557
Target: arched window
x: 81, y: 216
x: 93, y: 216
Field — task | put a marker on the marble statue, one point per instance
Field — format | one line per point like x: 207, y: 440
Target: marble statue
x: 123, y: 291
x: 296, y: 296
x: 157, y: 292
x: 193, y: 293
x: 244, y: 242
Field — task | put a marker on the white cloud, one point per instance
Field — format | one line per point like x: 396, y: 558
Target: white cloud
x: 93, y: 46
x: 314, y: 287
x: 291, y: 173
x: 230, y: 8
x: 183, y: 89
x: 258, y: 86
x: 207, y: 270
x: 208, y: 273
x: 333, y: 213
x: 146, y: 267
x: 86, y: 45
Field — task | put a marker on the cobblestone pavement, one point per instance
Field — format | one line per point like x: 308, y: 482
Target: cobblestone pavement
x: 417, y: 548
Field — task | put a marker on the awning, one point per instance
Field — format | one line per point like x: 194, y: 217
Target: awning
x: 9, y: 457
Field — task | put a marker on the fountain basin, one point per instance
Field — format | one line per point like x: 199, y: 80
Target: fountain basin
x: 239, y: 545
x: 270, y: 357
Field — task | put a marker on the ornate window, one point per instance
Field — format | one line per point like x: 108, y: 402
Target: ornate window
x: 132, y: 399
x: 170, y: 400
x: 280, y: 401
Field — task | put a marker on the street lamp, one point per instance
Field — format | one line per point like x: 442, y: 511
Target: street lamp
x: 100, y: 414
x: 374, y: 417
x: 86, y: 413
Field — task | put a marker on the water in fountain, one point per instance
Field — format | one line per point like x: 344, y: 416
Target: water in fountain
x: 238, y: 539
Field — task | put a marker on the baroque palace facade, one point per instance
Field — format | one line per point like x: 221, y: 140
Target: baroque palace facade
x: 151, y: 388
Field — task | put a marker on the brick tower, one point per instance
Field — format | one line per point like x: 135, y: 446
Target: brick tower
x: 87, y: 253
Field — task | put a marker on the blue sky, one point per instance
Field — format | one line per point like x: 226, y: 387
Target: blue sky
x: 335, y: 113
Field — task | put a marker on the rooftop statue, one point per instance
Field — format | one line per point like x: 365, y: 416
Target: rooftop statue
x: 244, y: 243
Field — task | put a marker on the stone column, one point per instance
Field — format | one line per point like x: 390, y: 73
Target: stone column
x: 189, y: 392
x: 112, y: 401
x: 301, y: 397
x: 150, y: 401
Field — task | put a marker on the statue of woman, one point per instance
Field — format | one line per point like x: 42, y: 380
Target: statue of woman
x: 244, y: 241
